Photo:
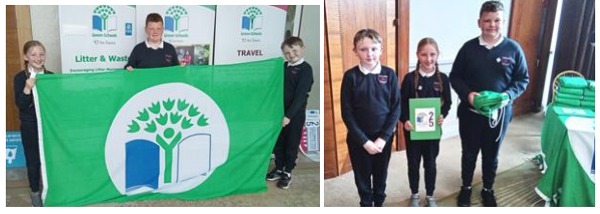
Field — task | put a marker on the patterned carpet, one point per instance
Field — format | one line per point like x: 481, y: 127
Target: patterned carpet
x: 514, y: 188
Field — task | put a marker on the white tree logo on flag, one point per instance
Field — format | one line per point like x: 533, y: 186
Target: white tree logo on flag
x: 168, y: 138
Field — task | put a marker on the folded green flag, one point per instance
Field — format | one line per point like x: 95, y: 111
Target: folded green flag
x: 572, y: 82
x: 588, y: 98
x: 572, y: 91
x: 194, y: 132
x: 569, y: 102
x: 568, y: 96
x: 588, y: 104
x: 489, y: 101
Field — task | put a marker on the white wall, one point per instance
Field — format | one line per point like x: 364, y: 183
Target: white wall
x: 310, y: 33
x: 451, y: 23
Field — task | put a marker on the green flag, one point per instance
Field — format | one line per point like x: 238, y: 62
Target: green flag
x: 194, y: 132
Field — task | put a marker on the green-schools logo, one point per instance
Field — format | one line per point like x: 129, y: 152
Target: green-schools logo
x: 104, y: 22
x: 177, y: 22
x: 170, y: 137
x: 252, y: 22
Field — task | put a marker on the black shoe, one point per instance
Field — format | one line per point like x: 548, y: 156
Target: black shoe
x: 274, y: 175
x: 366, y: 204
x: 464, y: 197
x: 284, y: 182
x: 36, y: 199
x: 488, y: 198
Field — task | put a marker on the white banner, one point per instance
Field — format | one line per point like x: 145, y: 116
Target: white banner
x: 95, y: 38
x: 248, y: 33
x: 189, y: 28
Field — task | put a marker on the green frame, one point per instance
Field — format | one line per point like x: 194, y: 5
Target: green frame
x: 424, y: 130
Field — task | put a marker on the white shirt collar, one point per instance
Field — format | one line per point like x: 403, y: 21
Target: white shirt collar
x: 161, y: 45
x: 490, y: 46
x: 33, y: 73
x: 297, y: 63
x: 376, y: 69
x: 423, y: 74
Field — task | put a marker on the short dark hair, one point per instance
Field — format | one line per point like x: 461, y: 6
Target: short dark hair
x: 154, y: 17
x: 367, y: 33
x: 491, y: 6
x: 291, y: 41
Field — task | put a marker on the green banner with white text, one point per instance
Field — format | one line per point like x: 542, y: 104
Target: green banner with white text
x: 194, y: 132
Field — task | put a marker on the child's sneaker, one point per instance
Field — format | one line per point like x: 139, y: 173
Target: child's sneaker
x: 36, y: 199
x: 431, y: 201
x: 414, y: 200
x: 274, y: 175
x: 284, y: 182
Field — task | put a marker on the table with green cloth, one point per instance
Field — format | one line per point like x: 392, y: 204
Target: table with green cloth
x: 568, y: 152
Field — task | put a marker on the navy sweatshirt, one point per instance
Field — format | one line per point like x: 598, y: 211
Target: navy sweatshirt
x: 429, y: 87
x: 500, y: 69
x: 24, y: 101
x: 297, y: 83
x: 144, y: 57
x: 370, y: 104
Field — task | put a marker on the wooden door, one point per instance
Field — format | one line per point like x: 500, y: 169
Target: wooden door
x: 18, y: 31
x: 525, y: 25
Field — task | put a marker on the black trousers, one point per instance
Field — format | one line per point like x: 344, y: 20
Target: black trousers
x: 415, y: 150
x: 366, y: 166
x: 29, y: 137
x: 476, y: 134
x: 286, y: 148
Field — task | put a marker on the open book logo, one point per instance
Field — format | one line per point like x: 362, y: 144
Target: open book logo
x: 104, y: 21
x: 177, y: 19
x: 252, y: 19
x: 168, y: 138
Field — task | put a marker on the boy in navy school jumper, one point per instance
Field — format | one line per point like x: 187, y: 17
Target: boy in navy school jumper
x: 370, y: 100
x: 154, y: 52
x: 298, y: 80
x: 489, y: 62
x: 425, y: 81
x: 34, y: 54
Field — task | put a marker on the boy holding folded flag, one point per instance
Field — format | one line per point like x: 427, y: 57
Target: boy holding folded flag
x: 494, y: 63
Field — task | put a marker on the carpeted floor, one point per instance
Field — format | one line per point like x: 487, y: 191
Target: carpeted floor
x: 513, y: 188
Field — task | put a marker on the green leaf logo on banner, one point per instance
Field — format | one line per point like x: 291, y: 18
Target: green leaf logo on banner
x: 104, y: 20
x: 176, y: 19
x: 252, y: 19
x: 159, y: 134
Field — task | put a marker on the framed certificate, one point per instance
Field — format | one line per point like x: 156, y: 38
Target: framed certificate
x: 424, y: 114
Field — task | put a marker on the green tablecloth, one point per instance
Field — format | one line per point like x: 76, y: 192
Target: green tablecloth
x: 568, y: 150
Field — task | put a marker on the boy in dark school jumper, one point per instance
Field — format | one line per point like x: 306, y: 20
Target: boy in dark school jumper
x: 370, y: 99
x: 489, y: 62
x: 298, y: 80
x: 154, y: 52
